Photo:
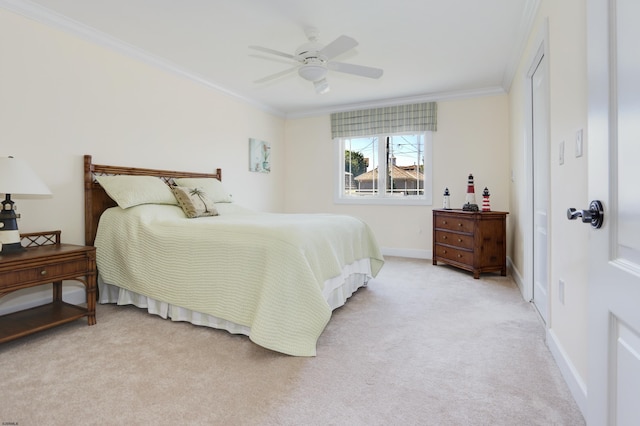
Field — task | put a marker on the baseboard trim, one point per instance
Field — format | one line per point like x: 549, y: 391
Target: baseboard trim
x: 412, y: 253
x: 517, y: 277
x: 576, y: 385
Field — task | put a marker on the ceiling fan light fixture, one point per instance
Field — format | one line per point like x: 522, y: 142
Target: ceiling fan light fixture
x: 311, y: 72
x: 321, y: 86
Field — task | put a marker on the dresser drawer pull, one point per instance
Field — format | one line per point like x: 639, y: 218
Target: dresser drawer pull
x: 444, y: 237
x: 459, y: 224
x: 43, y: 272
x: 459, y: 255
x: 444, y: 252
x: 459, y: 240
x: 444, y: 222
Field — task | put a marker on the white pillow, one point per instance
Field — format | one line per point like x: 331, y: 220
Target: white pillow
x: 212, y: 186
x: 129, y: 191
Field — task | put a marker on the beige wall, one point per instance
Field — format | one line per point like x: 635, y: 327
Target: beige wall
x: 568, y: 241
x: 62, y: 97
x: 472, y: 137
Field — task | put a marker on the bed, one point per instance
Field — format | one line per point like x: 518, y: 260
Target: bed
x: 275, y: 278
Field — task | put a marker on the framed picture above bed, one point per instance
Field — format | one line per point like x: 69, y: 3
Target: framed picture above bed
x: 259, y: 156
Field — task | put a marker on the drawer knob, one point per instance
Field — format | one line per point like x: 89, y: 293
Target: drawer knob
x: 43, y: 272
x: 459, y: 255
x: 459, y: 240
x: 444, y: 237
x: 459, y: 224
x: 444, y: 252
x: 444, y: 222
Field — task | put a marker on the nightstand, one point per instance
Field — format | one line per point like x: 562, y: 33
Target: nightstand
x: 45, y: 260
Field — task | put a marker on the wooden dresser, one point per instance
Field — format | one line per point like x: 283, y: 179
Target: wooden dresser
x: 473, y: 241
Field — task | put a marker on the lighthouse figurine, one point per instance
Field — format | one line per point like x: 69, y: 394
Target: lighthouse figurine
x: 445, y: 201
x: 470, y: 199
x: 485, y: 200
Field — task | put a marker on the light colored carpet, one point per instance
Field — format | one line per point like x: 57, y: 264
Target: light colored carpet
x: 421, y: 345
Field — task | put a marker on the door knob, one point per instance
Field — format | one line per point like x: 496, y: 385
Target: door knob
x: 595, y: 214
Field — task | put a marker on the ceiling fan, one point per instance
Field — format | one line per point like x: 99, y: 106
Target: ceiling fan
x: 313, y: 61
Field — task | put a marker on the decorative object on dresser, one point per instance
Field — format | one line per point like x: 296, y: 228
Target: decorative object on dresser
x: 446, y: 202
x: 473, y: 241
x: 486, y: 207
x: 45, y: 260
x: 470, y: 204
x: 16, y: 177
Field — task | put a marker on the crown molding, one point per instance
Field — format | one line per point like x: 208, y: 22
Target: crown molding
x: 429, y: 97
x: 526, y: 25
x: 50, y: 18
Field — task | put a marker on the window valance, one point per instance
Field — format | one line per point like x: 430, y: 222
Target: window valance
x: 388, y: 120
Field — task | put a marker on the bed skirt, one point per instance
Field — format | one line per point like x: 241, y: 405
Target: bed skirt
x: 336, y: 291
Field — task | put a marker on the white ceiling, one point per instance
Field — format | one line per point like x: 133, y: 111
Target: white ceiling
x: 429, y: 49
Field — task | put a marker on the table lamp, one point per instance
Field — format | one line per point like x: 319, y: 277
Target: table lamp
x: 17, y: 178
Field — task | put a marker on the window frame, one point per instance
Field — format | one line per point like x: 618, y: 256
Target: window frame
x: 382, y: 198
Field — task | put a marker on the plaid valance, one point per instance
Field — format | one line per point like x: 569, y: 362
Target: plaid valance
x: 387, y: 120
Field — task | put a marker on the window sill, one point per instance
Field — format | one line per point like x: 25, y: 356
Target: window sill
x: 384, y: 201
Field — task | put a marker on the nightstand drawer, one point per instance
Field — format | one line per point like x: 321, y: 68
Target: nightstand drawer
x: 45, y: 273
x: 454, y: 223
x: 454, y: 254
x: 458, y: 240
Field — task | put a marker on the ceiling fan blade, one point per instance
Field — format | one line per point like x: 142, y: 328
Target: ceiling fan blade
x: 360, y: 70
x: 338, y: 46
x: 273, y: 52
x: 271, y: 58
x: 276, y: 75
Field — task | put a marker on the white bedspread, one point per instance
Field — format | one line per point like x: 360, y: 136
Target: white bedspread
x: 262, y: 271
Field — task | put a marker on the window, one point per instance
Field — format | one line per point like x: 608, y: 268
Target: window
x: 385, y: 169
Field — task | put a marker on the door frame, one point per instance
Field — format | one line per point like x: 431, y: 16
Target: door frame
x: 541, y: 40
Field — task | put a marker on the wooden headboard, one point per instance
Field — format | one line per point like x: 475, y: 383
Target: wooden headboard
x: 96, y: 199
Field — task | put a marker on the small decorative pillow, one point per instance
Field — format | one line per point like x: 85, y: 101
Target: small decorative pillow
x: 213, y: 187
x: 129, y: 191
x: 194, y: 202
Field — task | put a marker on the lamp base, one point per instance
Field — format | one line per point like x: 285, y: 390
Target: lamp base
x: 11, y: 248
x: 10, y: 241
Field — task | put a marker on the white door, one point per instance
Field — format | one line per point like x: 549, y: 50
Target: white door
x: 613, y: 380
x: 540, y: 146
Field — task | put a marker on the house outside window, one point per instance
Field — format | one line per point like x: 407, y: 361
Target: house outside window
x: 385, y: 169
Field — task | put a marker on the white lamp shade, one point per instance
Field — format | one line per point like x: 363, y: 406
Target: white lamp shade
x: 16, y: 177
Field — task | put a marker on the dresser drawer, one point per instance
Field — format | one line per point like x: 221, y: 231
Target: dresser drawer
x: 451, y: 223
x: 454, y: 254
x: 454, y: 239
x: 45, y: 273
